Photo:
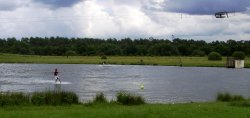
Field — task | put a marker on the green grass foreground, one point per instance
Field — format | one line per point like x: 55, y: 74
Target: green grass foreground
x: 101, y: 108
x: 122, y: 60
x: 189, y: 110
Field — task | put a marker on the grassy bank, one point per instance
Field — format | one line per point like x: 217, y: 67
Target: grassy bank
x: 126, y: 106
x: 191, y: 110
x: 127, y: 60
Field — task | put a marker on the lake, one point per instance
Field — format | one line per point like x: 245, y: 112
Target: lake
x: 162, y: 84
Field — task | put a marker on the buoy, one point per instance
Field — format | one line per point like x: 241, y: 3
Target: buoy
x: 142, y: 86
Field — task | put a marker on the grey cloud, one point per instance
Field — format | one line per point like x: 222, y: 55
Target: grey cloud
x: 59, y: 3
x: 8, y: 5
x: 247, y: 32
x: 202, y: 7
x: 229, y: 33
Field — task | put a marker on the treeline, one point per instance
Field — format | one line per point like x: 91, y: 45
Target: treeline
x: 126, y: 46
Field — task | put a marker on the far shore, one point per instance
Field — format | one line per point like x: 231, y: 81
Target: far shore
x: 118, y: 60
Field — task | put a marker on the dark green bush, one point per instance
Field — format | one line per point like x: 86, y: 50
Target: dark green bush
x: 13, y: 99
x: 38, y: 98
x: 104, y: 57
x: 100, y: 98
x: 240, y: 103
x: 238, y: 98
x: 226, y: 97
x: 239, y: 55
x: 129, y: 99
x: 54, y: 98
x: 69, y: 98
x: 214, y: 56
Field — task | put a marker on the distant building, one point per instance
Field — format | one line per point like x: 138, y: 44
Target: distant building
x: 239, y: 63
x: 233, y: 63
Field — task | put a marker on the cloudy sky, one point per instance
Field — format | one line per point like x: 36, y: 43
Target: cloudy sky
x: 125, y: 18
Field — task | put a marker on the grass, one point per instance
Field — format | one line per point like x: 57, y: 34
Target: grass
x: 127, y: 60
x: 190, y: 110
x: 245, y: 103
x: 235, y: 109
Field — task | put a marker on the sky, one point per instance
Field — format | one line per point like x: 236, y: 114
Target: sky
x: 162, y: 19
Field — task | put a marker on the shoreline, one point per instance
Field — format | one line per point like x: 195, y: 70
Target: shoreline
x: 117, y: 60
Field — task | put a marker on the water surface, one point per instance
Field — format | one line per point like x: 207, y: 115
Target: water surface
x: 163, y: 84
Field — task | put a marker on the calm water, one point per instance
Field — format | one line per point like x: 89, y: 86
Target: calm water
x: 162, y: 84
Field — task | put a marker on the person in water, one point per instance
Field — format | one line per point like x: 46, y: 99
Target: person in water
x: 56, y: 74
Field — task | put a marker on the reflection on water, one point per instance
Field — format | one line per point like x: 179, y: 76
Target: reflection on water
x: 161, y: 84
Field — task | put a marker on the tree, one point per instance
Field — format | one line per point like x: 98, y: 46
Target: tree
x: 109, y: 49
x: 93, y: 46
x: 239, y: 55
x: 214, y: 56
x: 162, y: 50
x: 198, y: 53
